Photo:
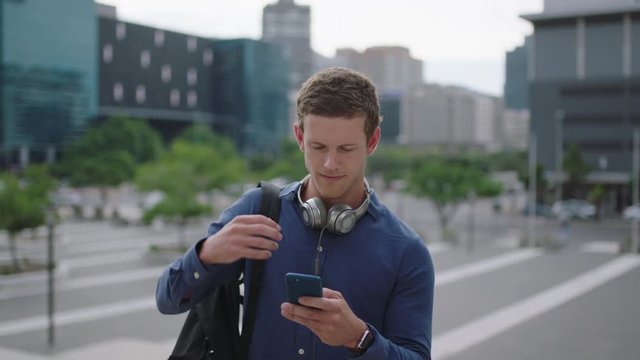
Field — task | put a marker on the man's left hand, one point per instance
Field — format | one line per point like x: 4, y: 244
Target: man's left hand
x: 329, y: 317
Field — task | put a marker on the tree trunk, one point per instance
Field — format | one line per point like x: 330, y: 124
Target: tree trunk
x: 100, y: 209
x: 14, y: 252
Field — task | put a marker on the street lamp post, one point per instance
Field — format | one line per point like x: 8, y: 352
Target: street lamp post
x: 50, y: 275
x: 471, y: 196
x: 532, y: 202
x: 559, y: 119
x: 636, y: 191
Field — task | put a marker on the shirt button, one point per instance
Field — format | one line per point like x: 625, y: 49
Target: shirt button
x: 319, y: 249
x: 196, y: 275
x: 301, y: 351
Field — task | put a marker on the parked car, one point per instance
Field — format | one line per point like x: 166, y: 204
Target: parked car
x: 631, y: 212
x: 540, y: 210
x: 573, y: 208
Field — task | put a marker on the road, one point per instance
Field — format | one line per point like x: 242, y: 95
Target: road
x: 493, y: 300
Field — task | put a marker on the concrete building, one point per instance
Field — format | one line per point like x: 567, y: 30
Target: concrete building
x: 584, y: 74
x: 391, y: 68
x: 516, y: 129
x: 48, y: 77
x: 289, y: 25
x: 452, y: 118
x: 558, y: 6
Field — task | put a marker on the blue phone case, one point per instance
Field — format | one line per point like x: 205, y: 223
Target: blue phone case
x: 299, y: 285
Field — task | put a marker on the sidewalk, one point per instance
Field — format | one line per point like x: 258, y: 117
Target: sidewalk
x: 122, y: 349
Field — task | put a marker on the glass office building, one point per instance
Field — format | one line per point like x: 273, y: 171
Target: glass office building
x: 250, y: 82
x: 49, y: 76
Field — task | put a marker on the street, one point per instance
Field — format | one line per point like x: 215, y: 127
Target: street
x: 494, y: 299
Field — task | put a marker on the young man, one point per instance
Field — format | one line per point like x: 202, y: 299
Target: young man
x: 377, y: 274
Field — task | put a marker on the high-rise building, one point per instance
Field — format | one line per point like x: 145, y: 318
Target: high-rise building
x: 391, y: 68
x: 584, y: 74
x: 250, y: 85
x: 551, y: 6
x: 289, y: 25
x: 49, y: 76
x: 516, y: 84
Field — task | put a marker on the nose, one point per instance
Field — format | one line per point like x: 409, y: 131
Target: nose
x: 331, y: 161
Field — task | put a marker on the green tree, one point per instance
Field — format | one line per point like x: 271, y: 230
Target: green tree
x: 187, y: 170
x: 23, y: 204
x: 176, y: 181
x: 541, y: 182
x: 449, y: 184
x: 106, y: 156
x: 392, y: 162
x: 289, y: 164
x: 577, y: 169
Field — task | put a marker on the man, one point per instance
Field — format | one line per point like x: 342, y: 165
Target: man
x: 377, y: 273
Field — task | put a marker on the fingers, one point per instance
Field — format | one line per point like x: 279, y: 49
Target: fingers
x: 246, y: 236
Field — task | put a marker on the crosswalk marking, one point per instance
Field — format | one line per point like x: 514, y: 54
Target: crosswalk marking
x: 601, y: 247
x: 92, y: 313
x: 90, y: 281
x: 484, y: 266
x: 486, y: 327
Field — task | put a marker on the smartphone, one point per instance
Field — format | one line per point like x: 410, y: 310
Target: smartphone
x: 299, y: 285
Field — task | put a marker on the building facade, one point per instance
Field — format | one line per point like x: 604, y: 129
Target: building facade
x: 516, y: 84
x: 452, y: 118
x: 250, y: 85
x: 161, y: 76
x: 289, y: 25
x: 584, y: 75
x: 391, y: 68
x: 49, y: 81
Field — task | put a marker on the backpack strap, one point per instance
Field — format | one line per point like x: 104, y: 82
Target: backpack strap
x: 270, y: 207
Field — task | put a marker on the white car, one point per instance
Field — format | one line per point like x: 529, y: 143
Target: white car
x: 631, y: 212
x: 574, y: 208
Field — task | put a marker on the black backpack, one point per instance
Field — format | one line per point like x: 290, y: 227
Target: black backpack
x: 210, y: 331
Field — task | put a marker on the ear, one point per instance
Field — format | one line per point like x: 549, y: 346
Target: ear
x: 373, y: 141
x: 299, y: 134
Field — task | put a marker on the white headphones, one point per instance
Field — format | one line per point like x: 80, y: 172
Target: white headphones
x: 340, y: 219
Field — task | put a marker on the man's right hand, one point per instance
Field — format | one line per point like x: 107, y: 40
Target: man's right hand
x: 246, y: 236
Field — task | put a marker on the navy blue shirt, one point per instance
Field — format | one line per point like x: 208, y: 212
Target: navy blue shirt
x: 382, y: 268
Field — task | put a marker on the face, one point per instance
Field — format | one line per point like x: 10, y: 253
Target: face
x: 335, y: 154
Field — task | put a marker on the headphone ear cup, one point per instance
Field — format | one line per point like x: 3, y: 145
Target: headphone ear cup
x: 341, y: 219
x: 314, y: 213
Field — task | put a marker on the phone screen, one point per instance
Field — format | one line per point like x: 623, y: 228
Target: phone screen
x: 299, y: 285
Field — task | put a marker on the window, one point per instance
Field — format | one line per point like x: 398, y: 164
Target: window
x: 192, y: 77
x: 165, y: 73
x: 174, y: 97
x: 118, y: 92
x: 141, y: 94
x: 207, y: 57
x: 192, y: 44
x: 107, y: 53
x: 192, y: 99
x: 145, y: 59
x: 121, y: 31
x: 158, y: 38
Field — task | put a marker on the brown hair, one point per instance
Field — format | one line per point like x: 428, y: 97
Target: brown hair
x: 340, y: 92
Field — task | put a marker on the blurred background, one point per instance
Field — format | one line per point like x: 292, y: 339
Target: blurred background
x: 510, y: 142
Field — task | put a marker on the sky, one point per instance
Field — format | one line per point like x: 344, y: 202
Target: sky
x: 461, y: 42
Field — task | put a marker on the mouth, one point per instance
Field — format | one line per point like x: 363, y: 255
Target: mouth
x: 332, y: 177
